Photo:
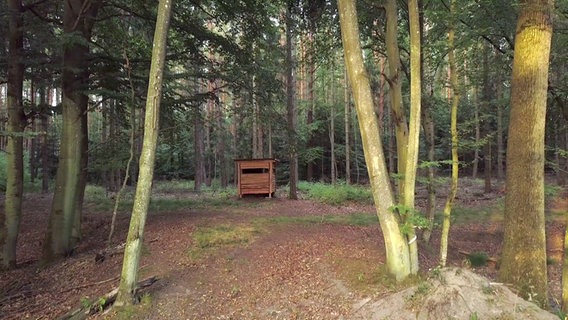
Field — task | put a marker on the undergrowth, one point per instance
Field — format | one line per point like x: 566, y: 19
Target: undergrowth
x: 336, y: 194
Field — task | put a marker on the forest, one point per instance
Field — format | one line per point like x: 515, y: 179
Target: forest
x: 407, y: 109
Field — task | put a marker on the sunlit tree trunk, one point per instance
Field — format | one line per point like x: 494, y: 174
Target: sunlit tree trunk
x: 396, y: 244
x: 129, y: 275
x: 454, y: 132
x: 524, y: 243
x: 413, y: 126
x: 10, y: 219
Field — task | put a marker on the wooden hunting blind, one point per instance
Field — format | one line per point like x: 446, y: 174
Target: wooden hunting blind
x: 256, y: 176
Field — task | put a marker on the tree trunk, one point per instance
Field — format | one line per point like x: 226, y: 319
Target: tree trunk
x: 395, y: 82
x: 396, y: 244
x: 347, y: 125
x: 10, y: 219
x: 133, y: 249
x: 63, y: 228
x: 524, y: 242
x: 477, y: 124
x: 413, y: 126
x: 311, y: 102
x: 199, y: 151
x: 291, y: 105
x: 44, y: 115
x: 333, y: 166
x: 454, y: 131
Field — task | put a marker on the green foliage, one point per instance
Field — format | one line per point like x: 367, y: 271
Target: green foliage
x: 410, y: 217
x: 478, y: 259
x: 28, y: 186
x: 552, y: 191
x: 337, y: 194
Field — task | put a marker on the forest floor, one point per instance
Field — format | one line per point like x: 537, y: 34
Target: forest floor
x: 260, y: 258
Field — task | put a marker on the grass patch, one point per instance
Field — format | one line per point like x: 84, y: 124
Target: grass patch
x: 206, y: 239
x: 466, y: 215
x: 357, y: 219
x: 166, y: 196
x: 223, y: 235
x: 336, y: 194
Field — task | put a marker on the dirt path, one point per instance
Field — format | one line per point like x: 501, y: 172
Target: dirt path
x: 288, y: 270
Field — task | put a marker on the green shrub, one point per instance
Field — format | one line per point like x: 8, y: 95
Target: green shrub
x: 336, y: 194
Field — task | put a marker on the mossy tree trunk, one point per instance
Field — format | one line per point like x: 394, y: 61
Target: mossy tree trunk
x: 396, y: 244
x: 524, y: 246
x: 10, y: 219
x: 132, y: 251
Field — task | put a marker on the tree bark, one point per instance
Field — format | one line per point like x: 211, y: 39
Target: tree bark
x: 64, y: 223
x: 10, y: 219
x: 454, y: 132
x: 524, y: 242
x: 129, y: 275
x: 413, y: 126
x: 291, y: 105
x: 347, y: 131
x: 396, y: 244
x: 395, y: 83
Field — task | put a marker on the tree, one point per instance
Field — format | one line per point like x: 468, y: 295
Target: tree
x: 413, y: 129
x: 396, y: 243
x: 65, y: 220
x: 524, y: 244
x: 291, y: 103
x: 454, y: 132
x: 135, y: 237
x: 10, y: 219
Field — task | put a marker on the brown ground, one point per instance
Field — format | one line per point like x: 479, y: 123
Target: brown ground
x: 289, y: 271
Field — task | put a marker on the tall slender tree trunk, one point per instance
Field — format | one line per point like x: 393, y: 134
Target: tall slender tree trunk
x: 430, y: 136
x: 396, y: 244
x: 333, y: 165
x: 10, y: 219
x: 44, y: 141
x: 488, y: 95
x: 129, y: 275
x: 395, y: 82
x: 347, y: 125
x: 477, y: 124
x: 413, y: 126
x: 311, y: 101
x: 454, y: 132
x: 291, y: 104
x: 524, y: 242
x: 199, y: 149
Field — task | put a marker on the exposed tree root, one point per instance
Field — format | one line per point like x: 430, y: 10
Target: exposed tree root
x: 103, y: 302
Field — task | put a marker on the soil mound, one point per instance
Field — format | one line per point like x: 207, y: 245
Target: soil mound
x: 452, y: 293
